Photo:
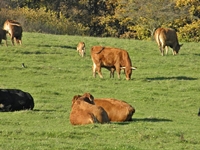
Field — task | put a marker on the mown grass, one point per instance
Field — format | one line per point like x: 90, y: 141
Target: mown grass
x: 163, y: 90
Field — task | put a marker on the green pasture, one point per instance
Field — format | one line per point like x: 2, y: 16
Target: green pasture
x: 165, y: 92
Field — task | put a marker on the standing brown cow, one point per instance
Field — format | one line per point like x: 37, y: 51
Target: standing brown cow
x: 84, y: 111
x: 81, y: 49
x: 112, y: 59
x: 167, y: 37
x: 14, y: 29
x: 117, y: 110
x: 3, y: 36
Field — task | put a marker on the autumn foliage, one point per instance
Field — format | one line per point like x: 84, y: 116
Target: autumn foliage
x: 136, y: 19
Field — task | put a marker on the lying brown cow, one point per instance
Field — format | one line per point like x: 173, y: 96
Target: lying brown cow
x: 167, y: 37
x: 118, y: 111
x: 83, y: 111
x: 112, y: 59
x: 3, y: 36
x: 81, y: 49
x: 14, y: 29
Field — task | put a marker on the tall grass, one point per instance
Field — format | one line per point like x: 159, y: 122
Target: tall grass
x: 163, y: 90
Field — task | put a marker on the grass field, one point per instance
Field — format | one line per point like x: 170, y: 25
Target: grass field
x: 164, y: 91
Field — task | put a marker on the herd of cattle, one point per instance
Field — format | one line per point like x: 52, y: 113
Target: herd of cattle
x: 85, y: 108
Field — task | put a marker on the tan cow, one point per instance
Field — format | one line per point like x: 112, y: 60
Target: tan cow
x: 3, y: 36
x: 112, y: 59
x: 117, y: 110
x: 14, y: 29
x: 81, y: 49
x: 167, y: 37
x: 83, y: 111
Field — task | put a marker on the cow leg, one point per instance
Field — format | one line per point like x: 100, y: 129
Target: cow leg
x: 166, y: 49
x: 162, y: 50
x: 82, y: 52
x: 20, y: 42
x: 118, y: 69
x: 12, y: 40
x: 173, y: 52
x: 99, y: 71
x: 6, y: 42
x: 94, y: 70
x: 112, y: 70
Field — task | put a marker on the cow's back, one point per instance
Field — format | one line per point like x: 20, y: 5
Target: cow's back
x: 166, y: 37
x: 109, y: 56
x: 117, y: 110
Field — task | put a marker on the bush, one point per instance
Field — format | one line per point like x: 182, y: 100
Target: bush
x: 43, y: 21
x: 190, y: 32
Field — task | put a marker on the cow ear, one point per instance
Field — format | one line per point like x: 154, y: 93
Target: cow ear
x: 76, y: 97
x: 90, y: 96
x: 181, y: 45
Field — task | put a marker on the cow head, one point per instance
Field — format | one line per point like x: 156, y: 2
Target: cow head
x: 128, y: 71
x: 176, y: 49
x: 87, y: 97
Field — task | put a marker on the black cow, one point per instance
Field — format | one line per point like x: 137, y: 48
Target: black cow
x: 14, y: 99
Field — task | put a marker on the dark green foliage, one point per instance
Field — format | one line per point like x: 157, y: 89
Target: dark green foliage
x: 135, y: 19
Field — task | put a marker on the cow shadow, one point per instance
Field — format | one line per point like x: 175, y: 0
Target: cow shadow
x: 143, y: 120
x: 59, y: 46
x: 197, y: 54
x: 44, y: 110
x: 151, y: 120
x: 172, y: 78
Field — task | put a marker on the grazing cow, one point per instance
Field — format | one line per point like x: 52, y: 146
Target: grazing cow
x: 3, y: 36
x: 14, y: 99
x: 83, y: 111
x: 112, y: 59
x: 167, y: 37
x: 81, y: 49
x: 14, y: 29
x: 118, y: 111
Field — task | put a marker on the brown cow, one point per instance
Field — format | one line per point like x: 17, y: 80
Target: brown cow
x: 3, y: 36
x: 81, y: 49
x: 83, y: 111
x: 15, y: 30
x: 111, y: 58
x: 118, y: 111
x: 167, y: 37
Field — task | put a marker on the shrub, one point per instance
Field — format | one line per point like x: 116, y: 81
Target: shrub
x: 41, y: 20
x: 190, y: 32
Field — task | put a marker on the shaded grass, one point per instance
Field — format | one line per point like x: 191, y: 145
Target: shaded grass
x: 163, y: 90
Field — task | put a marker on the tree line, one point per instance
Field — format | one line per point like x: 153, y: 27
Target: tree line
x: 136, y: 19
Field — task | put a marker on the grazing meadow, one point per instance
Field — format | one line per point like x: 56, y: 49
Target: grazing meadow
x: 164, y: 90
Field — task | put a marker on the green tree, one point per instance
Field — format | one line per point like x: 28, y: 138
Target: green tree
x: 148, y: 14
